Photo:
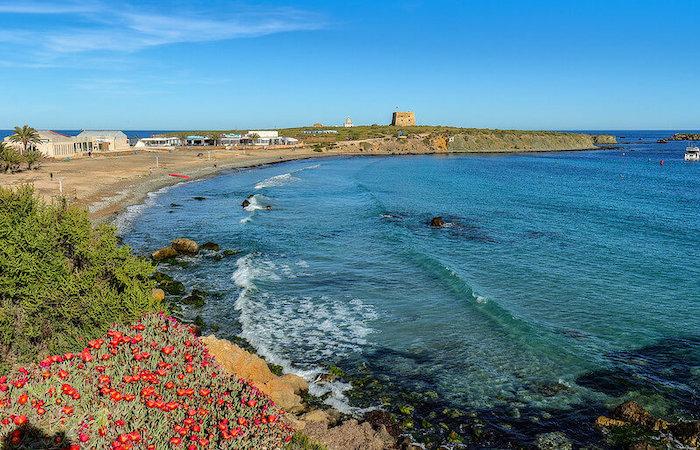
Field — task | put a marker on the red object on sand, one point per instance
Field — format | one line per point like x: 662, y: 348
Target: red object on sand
x: 179, y: 175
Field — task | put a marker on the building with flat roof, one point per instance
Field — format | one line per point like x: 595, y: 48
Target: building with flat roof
x: 155, y: 142
x: 403, y: 119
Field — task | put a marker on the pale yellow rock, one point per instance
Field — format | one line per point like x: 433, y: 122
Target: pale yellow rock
x: 184, y: 245
x: 606, y: 422
x: 282, y: 390
x: 158, y: 294
x: 317, y: 415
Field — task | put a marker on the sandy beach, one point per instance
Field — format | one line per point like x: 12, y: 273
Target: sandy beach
x: 107, y: 183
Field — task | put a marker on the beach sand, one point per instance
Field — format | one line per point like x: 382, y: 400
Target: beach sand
x: 107, y: 183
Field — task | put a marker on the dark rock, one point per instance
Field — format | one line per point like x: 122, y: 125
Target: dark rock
x: 230, y: 252
x: 185, y: 246
x: 197, y: 298
x: 211, y: 246
x: 553, y: 441
x: 687, y: 432
x: 168, y: 284
x: 379, y: 418
x: 245, y: 203
x: 199, y: 198
x: 164, y: 253
x: 437, y: 222
x: 174, y: 205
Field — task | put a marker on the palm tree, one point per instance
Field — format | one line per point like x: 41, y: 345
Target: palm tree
x: 25, y: 135
x: 9, y: 158
x: 33, y: 157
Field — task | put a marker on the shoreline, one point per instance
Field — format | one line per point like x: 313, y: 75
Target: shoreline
x: 108, y: 209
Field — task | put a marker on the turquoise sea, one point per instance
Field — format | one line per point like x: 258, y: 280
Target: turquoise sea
x: 563, y: 283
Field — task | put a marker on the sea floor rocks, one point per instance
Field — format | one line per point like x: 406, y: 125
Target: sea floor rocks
x: 437, y: 222
x: 283, y: 390
x: 553, y: 441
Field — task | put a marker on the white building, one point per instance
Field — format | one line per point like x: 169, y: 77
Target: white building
x: 57, y: 145
x: 348, y: 123
x: 106, y: 140
x: 167, y: 141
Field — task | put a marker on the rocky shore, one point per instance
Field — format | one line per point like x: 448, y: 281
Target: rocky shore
x: 685, y: 137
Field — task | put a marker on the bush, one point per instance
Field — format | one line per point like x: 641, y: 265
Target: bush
x: 152, y: 385
x: 62, y: 282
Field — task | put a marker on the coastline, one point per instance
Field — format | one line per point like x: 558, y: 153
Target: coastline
x: 108, y: 184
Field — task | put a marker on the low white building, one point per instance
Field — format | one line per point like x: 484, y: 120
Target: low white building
x: 56, y: 145
x: 152, y: 142
x: 106, y: 140
x: 348, y: 123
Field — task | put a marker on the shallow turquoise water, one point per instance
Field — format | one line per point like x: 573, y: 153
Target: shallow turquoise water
x: 563, y: 279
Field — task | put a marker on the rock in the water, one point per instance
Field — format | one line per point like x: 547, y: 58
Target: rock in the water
x: 199, y: 198
x: 437, y: 222
x: 185, y: 246
x: 164, y: 253
x: 634, y: 412
x: 687, y: 432
x: 211, y: 246
x: 230, y: 252
x: 158, y: 294
x: 553, y: 441
x: 196, y: 298
x: 606, y: 422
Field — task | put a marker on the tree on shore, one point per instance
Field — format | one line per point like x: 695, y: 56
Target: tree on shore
x: 33, y: 157
x: 25, y: 135
x: 216, y: 137
x: 10, y: 159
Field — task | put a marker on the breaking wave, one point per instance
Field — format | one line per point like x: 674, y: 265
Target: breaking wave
x: 277, y: 180
x: 307, y: 328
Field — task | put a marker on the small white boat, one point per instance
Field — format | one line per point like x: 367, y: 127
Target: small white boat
x: 692, y: 154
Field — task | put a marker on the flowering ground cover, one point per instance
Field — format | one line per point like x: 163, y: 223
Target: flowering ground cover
x: 150, y: 385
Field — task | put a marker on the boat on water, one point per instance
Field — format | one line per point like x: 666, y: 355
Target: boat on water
x: 692, y: 154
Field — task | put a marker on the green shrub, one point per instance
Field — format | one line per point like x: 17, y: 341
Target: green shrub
x: 61, y: 280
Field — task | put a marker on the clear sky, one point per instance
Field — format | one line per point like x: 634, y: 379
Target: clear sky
x: 534, y: 64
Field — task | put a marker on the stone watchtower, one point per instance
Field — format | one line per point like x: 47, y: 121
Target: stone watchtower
x: 403, y: 119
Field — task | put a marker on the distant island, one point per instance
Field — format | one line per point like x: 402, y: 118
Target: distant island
x: 685, y: 137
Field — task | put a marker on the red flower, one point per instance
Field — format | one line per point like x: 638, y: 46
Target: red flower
x: 23, y: 399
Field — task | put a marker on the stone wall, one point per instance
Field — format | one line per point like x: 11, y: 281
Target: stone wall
x: 403, y: 119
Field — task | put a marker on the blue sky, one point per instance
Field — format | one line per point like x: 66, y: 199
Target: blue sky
x: 576, y: 64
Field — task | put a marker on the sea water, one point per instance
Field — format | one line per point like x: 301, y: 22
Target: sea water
x: 561, y: 283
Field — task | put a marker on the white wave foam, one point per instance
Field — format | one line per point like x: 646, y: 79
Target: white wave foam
x: 285, y: 178
x: 256, y: 202
x: 124, y: 221
x: 277, y: 180
x: 282, y: 327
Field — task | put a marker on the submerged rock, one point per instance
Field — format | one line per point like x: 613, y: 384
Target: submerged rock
x: 437, y: 222
x: 553, y: 441
x: 196, y: 298
x: 185, y: 246
x: 199, y: 198
x: 164, y: 253
x: 211, y: 246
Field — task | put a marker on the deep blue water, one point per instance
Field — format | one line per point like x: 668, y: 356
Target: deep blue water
x: 564, y: 282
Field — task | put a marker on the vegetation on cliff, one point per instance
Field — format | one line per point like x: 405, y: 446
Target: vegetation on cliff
x: 62, y: 282
x: 145, y: 386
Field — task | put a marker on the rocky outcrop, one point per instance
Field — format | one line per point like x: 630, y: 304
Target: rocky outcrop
x: 437, y: 222
x: 350, y: 435
x: 604, y: 139
x: 685, y: 137
x: 283, y: 390
x: 641, y: 424
x: 322, y: 426
x: 164, y: 253
x: 185, y: 246
x: 524, y: 141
